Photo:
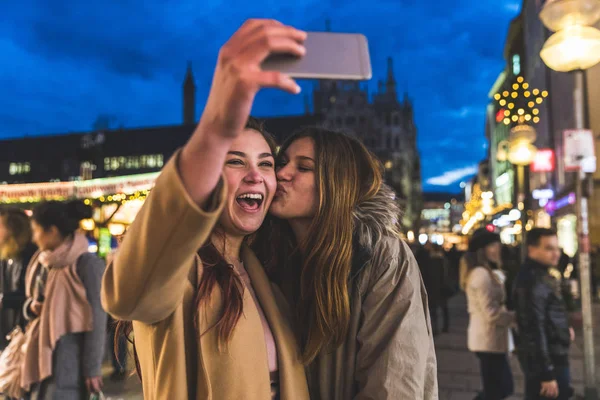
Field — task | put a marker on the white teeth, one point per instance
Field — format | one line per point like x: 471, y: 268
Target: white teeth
x: 255, y: 196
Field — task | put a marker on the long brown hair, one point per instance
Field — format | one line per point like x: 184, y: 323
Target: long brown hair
x: 216, y: 272
x: 19, y: 228
x: 346, y: 174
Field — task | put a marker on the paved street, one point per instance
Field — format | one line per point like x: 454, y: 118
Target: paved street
x: 458, y: 369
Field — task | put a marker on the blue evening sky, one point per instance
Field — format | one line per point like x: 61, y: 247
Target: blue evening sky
x: 65, y: 62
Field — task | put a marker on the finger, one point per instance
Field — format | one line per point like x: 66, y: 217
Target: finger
x: 236, y: 41
x: 276, y: 80
x: 285, y: 39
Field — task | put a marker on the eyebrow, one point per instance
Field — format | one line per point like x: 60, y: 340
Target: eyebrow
x: 242, y: 154
x: 305, y: 158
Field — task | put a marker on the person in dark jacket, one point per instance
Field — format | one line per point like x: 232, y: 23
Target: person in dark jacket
x: 544, y: 331
x: 16, y: 250
x: 431, y: 262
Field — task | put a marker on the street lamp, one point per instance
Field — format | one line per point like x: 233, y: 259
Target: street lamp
x: 575, y: 47
x: 521, y: 153
x: 521, y: 109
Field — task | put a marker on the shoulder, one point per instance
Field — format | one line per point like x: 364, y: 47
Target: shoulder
x: 479, y: 276
x: 90, y: 261
x: 392, y: 261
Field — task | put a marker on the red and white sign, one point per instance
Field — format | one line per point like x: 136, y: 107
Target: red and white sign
x: 579, y: 150
x: 544, y: 161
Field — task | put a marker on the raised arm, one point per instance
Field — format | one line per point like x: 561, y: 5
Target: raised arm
x: 147, y: 279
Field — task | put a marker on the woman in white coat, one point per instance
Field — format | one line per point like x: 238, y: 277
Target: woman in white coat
x: 489, y: 320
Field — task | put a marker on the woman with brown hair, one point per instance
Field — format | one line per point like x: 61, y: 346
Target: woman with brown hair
x: 16, y: 249
x: 207, y: 323
x: 355, y: 288
x: 488, y: 336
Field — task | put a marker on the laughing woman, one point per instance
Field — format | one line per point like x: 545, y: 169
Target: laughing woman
x: 206, y: 320
x: 356, y: 289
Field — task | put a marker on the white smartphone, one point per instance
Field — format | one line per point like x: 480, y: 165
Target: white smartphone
x: 328, y: 56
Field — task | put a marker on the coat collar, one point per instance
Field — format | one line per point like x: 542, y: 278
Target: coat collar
x: 291, y: 370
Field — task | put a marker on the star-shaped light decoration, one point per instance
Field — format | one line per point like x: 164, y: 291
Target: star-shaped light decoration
x: 520, y: 105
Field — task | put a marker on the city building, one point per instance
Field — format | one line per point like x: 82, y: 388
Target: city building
x: 382, y: 122
x: 385, y: 125
x: 556, y: 116
x: 507, y: 188
x: 440, y: 219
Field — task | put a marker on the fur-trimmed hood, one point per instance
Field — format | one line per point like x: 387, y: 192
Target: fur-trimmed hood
x: 377, y: 217
x: 374, y: 219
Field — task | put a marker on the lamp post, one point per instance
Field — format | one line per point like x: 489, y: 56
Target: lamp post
x: 520, y: 108
x: 521, y: 153
x: 573, y: 48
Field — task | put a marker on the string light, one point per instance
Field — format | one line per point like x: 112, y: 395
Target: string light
x: 520, y: 111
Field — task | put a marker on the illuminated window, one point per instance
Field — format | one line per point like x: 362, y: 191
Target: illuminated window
x: 516, y: 59
x: 19, y: 168
x: 147, y: 161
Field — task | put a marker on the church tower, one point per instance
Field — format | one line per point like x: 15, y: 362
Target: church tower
x: 189, y: 97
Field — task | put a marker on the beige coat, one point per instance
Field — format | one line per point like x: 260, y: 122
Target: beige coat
x: 489, y: 320
x: 388, y: 353
x: 151, y: 283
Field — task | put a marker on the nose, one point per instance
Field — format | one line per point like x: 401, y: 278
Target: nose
x: 253, y: 176
x: 284, y: 173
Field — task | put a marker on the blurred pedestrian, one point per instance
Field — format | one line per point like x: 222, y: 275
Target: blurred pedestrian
x: 432, y: 264
x: 489, y: 336
x: 118, y: 342
x: 545, y: 334
x: 66, y: 334
x: 16, y: 250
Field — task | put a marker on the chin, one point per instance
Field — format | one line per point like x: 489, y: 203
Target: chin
x: 278, y: 210
x: 248, y: 226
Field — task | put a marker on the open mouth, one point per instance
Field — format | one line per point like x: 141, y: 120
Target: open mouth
x: 250, y: 201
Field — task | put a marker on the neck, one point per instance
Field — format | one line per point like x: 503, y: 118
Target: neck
x: 229, y: 246
x: 538, y: 263
x: 57, y: 244
x: 300, y: 227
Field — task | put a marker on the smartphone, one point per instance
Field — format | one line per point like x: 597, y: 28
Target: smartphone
x: 328, y: 56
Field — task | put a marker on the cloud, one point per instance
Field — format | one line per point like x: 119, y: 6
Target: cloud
x: 512, y: 7
x: 462, y: 112
x: 77, y: 60
x: 454, y: 176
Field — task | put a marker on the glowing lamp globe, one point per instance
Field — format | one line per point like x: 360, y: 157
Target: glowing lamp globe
x: 575, y: 47
x: 521, y: 153
x: 521, y: 150
x: 562, y: 14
